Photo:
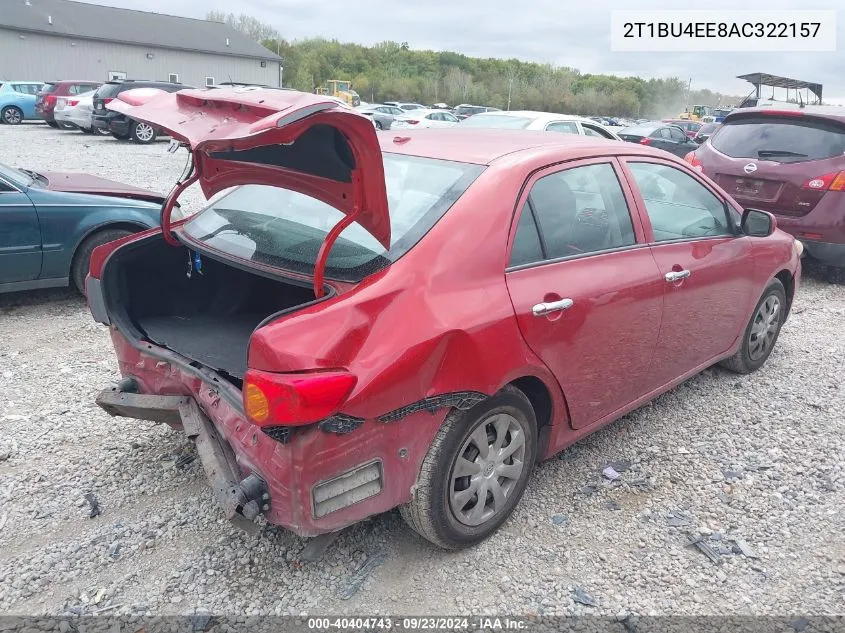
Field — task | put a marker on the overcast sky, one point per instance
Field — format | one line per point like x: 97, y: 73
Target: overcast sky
x: 562, y: 32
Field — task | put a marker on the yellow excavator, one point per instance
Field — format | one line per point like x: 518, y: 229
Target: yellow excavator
x: 699, y: 112
x: 340, y: 89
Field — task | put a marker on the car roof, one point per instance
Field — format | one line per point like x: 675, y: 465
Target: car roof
x: 836, y: 113
x: 483, y: 146
x: 535, y: 114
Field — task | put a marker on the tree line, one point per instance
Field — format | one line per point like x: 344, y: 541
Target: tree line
x: 394, y: 71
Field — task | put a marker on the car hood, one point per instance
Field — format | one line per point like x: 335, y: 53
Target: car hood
x: 284, y: 138
x: 72, y: 182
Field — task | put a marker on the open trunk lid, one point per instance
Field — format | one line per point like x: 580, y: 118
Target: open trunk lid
x: 282, y: 138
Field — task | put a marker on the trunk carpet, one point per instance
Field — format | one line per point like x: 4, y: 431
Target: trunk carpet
x: 215, y: 341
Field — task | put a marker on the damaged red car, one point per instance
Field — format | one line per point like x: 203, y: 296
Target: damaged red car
x: 360, y: 322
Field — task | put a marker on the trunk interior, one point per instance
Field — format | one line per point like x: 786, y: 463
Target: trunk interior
x: 207, y: 315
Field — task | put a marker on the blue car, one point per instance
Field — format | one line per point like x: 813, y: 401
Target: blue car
x: 50, y: 222
x: 17, y: 100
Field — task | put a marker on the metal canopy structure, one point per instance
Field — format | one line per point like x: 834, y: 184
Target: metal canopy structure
x: 764, y: 79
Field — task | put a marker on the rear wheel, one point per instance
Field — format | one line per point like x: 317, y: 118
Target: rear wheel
x: 52, y: 124
x: 762, y: 331
x: 11, y: 115
x: 141, y: 132
x: 66, y: 126
x: 475, y: 471
x: 82, y: 257
x: 379, y: 125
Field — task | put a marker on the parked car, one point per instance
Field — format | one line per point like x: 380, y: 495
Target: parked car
x: 119, y: 126
x: 382, y: 115
x: 790, y: 163
x: 548, y: 121
x: 576, y: 299
x: 466, y: 110
x: 665, y: 136
x: 418, y: 119
x: 76, y: 112
x: 406, y: 105
x: 690, y: 128
x: 47, y: 97
x: 52, y: 221
x: 706, y: 131
x: 17, y: 101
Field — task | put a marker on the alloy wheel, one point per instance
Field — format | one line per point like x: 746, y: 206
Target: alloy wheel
x: 144, y: 132
x: 764, y: 328
x: 487, y: 469
x: 12, y: 116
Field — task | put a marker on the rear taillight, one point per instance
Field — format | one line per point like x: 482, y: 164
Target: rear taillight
x: 73, y: 102
x: 272, y: 399
x: 108, y: 100
x: 692, y: 159
x: 828, y: 182
x: 100, y: 254
x: 645, y: 141
x: 411, y: 121
x: 50, y: 99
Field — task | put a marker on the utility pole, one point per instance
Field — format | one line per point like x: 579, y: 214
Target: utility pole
x: 279, y: 54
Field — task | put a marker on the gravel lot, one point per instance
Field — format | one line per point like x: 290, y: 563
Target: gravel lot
x: 758, y: 458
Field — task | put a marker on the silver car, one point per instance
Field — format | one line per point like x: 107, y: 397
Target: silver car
x: 76, y: 110
x: 381, y: 114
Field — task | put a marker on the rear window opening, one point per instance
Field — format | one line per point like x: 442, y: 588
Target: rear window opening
x: 284, y: 229
x: 108, y: 89
x: 783, y: 139
x: 48, y: 88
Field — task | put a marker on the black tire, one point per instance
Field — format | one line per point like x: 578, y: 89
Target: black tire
x: 11, y: 115
x: 97, y: 131
x: 379, y: 125
x: 142, y: 133
x: 66, y: 126
x: 52, y: 124
x: 430, y: 512
x: 82, y: 256
x: 746, y: 360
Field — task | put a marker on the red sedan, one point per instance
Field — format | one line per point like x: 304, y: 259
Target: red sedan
x: 365, y: 321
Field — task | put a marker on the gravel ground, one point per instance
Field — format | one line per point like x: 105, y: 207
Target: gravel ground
x: 759, y: 459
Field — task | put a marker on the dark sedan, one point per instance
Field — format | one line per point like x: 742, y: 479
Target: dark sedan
x: 50, y: 222
x: 667, y: 137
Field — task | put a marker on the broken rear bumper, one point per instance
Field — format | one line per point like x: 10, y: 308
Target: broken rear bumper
x: 242, y: 499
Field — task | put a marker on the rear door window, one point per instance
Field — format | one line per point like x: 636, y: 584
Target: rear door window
x: 578, y: 211
x: 785, y: 139
x: 565, y: 127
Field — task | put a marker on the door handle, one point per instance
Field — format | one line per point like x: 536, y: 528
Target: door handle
x: 676, y: 275
x: 542, y: 309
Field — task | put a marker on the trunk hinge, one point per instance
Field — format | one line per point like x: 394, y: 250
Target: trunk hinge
x: 331, y: 236
x: 189, y: 176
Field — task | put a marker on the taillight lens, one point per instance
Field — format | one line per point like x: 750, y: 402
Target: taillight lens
x: 272, y: 399
x: 108, y: 100
x: 411, y: 121
x: 828, y: 182
x: 645, y: 141
x: 73, y: 102
x: 50, y: 99
x: 692, y: 159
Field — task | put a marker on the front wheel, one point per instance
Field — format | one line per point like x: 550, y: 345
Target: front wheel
x: 762, y: 331
x: 475, y: 471
x: 143, y: 133
x: 12, y: 115
x: 82, y: 257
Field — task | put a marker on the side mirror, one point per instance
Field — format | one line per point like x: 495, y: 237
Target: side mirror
x: 757, y: 223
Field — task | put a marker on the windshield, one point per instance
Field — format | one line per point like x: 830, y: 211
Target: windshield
x: 15, y: 176
x: 282, y: 228
x: 499, y: 121
x: 785, y: 139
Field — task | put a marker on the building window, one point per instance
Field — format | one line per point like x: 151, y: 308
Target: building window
x: 174, y: 78
x: 209, y: 81
x: 264, y: 64
x: 116, y: 75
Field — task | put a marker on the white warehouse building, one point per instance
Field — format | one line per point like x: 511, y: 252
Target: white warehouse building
x: 49, y: 40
